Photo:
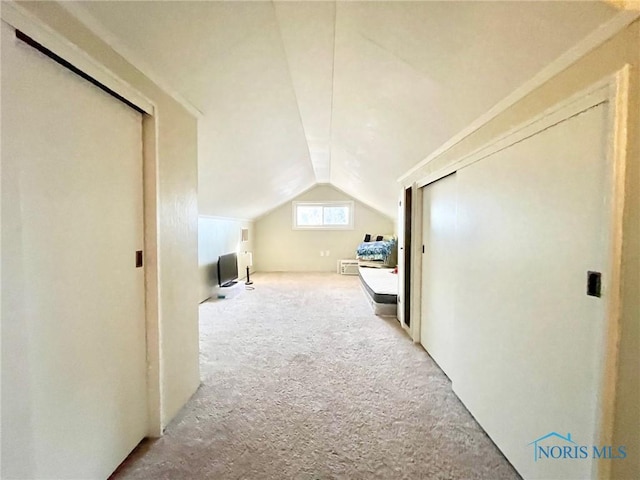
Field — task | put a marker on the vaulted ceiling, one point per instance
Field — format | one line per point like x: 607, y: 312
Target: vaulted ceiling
x: 348, y: 93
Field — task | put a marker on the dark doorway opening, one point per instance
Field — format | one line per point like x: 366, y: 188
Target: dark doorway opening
x: 408, y: 197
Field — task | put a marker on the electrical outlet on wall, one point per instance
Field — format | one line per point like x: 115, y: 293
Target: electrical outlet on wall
x: 322, y: 253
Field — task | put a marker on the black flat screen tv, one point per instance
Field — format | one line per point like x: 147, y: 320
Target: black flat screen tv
x: 227, y: 269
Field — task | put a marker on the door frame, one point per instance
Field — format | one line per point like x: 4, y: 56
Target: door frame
x: 411, y: 266
x: 613, y: 89
x: 416, y: 263
x: 20, y: 19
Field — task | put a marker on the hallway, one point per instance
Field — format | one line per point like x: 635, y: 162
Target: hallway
x: 301, y: 381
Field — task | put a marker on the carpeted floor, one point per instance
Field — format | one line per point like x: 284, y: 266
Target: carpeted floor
x: 302, y: 381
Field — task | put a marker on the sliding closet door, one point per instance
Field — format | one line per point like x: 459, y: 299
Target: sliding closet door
x: 533, y: 219
x: 438, y: 270
x: 73, y: 335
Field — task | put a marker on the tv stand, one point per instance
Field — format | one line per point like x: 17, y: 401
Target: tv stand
x: 229, y: 284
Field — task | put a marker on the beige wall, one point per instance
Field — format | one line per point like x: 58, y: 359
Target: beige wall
x: 279, y: 248
x: 622, y: 49
x: 177, y: 213
x: 218, y: 236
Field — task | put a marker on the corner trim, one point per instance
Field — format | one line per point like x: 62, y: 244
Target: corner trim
x: 24, y: 21
x: 590, y: 97
x: 596, y: 38
x: 227, y: 219
x: 91, y: 23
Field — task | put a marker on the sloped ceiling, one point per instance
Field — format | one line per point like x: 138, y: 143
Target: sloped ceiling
x: 348, y: 93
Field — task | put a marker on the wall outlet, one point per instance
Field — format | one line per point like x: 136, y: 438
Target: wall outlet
x: 322, y: 253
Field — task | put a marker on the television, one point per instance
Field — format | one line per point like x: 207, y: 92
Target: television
x: 227, y: 269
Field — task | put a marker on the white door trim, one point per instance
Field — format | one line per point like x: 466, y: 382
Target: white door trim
x: 416, y: 261
x: 600, y: 92
x: 22, y: 20
x: 618, y: 90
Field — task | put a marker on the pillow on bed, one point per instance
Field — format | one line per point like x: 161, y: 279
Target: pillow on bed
x: 379, y: 238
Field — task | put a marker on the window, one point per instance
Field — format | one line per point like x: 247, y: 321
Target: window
x: 323, y: 215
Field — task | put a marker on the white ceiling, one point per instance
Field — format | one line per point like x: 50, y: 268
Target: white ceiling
x: 348, y: 93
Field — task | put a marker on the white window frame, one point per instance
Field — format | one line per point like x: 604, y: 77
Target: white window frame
x: 340, y: 203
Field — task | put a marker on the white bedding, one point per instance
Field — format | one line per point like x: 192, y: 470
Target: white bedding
x: 380, y: 280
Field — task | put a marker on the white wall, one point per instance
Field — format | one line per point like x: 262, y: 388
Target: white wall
x: 218, y: 236
x: 171, y: 189
x: 279, y: 248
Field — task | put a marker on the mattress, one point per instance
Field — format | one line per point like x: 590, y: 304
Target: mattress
x: 380, y: 284
x: 374, y: 264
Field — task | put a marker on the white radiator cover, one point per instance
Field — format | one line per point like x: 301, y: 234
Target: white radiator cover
x: 348, y: 267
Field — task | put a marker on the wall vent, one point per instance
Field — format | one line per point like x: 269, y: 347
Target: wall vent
x: 348, y: 267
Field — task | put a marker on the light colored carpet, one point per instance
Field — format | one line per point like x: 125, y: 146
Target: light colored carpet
x: 302, y: 381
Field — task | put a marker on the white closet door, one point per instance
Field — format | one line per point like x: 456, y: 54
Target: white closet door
x: 73, y: 344
x: 438, y: 270
x: 533, y: 218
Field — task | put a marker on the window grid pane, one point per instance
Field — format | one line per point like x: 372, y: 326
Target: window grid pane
x: 338, y: 215
x: 309, y: 216
x: 323, y: 215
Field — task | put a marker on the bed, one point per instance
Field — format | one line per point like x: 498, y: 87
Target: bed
x: 378, y: 254
x: 380, y: 286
